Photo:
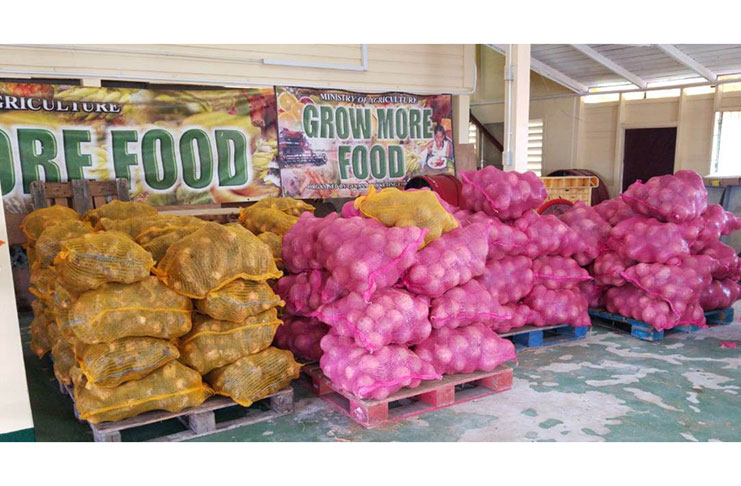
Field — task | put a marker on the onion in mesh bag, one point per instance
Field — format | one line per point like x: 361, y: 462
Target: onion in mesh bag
x: 678, y: 285
x: 520, y: 316
x: 594, y: 293
x: 650, y: 241
x: 465, y: 350
x: 301, y: 336
x: 300, y: 243
x: 630, y: 301
x: 720, y: 294
x: 555, y: 272
x: 591, y: 228
x: 548, y: 235
x: 306, y: 292
x: 393, y: 316
x: 608, y: 267
x: 466, y: 304
x: 552, y: 307
x: 508, y: 279
x: 614, y: 210
x: 349, y: 210
x: 503, y: 238
x: 715, y: 222
x: 364, y: 256
x: 452, y: 260
x: 671, y: 198
x: 725, y: 260
x: 374, y: 376
x: 506, y: 195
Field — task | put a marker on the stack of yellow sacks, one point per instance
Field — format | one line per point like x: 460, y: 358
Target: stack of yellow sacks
x: 130, y: 342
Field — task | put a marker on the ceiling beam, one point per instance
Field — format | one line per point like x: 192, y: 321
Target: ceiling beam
x: 548, y: 72
x: 610, y: 64
x: 673, y: 51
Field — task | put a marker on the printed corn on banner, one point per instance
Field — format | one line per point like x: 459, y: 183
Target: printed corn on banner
x: 186, y: 146
x: 335, y: 143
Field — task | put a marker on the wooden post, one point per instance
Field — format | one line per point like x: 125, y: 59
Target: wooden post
x: 80, y: 196
x: 516, y: 107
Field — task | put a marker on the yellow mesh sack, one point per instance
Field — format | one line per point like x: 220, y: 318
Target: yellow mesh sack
x: 110, y: 364
x: 212, y: 257
x: 115, y: 311
x: 40, y: 339
x: 213, y: 343
x: 275, y: 242
x: 173, y: 387
x: 260, y: 219
x: 42, y: 282
x: 239, y: 300
x: 157, y: 247
x: 394, y: 208
x: 50, y: 241
x: 254, y: 377
x: 40, y: 219
x: 119, y: 210
x: 94, y: 259
x: 64, y: 361
x: 288, y: 205
x: 169, y: 224
x: 31, y: 255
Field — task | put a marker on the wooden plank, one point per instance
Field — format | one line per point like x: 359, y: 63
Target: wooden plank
x: 99, y: 201
x: 61, y: 202
x: 80, y: 195
x: 102, y: 188
x: 122, y: 189
x: 55, y: 190
x: 38, y: 195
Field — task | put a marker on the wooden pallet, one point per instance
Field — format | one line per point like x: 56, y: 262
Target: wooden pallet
x: 410, y: 402
x: 646, y: 332
x: 200, y: 421
x: 535, y: 337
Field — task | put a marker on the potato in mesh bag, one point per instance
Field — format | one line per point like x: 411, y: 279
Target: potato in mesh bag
x: 213, y: 343
x: 173, y: 387
x: 40, y: 339
x: 119, y: 210
x: 94, y: 259
x: 254, y: 377
x: 158, y: 246
x: 110, y: 364
x: 275, y: 242
x: 50, y: 241
x: 288, y: 205
x: 115, y: 311
x: 136, y: 225
x: 392, y: 207
x: 167, y: 225
x: 262, y: 219
x: 42, y: 283
x: 40, y: 219
x: 64, y: 361
x: 214, y: 256
x: 239, y: 300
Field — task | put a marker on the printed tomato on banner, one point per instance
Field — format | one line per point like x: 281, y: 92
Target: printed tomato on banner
x: 175, y: 146
x: 335, y: 143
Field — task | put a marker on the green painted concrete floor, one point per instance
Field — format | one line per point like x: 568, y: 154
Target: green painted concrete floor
x: 607, y: 387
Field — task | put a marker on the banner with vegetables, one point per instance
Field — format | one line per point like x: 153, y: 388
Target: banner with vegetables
x: 335, y: 143
x: 175, y: 146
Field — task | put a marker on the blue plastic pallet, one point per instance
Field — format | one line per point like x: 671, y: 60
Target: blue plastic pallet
x: 535, y: 337
x: 645, y: 331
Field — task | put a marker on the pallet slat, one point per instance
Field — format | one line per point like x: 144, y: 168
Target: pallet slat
x: 535, y: 337
x: 643, y: 330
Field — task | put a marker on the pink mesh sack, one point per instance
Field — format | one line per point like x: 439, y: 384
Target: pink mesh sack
x: 671, y: 198
x: 594, y: 293
x: 506, y: 195
x: 465, y: 350
x: 548, y: 235
x: 508, y: 279
x: 363, y: 255
x: 725, y: 260
x: 463, y: 216
x: 300, y: 242
x: 374, y: 376
x: 301, y: 336
x: 503, y: 238
x: 678, y: 285
x: 520, y: 317
x: 452, y: 260
x: 393, y: 316
x: 630, y: 301
x: 591, y: 228
x: 720, y: 294
x: 614, y: 210
x: 466, y: 304
x: 552, y: 307
x: 651, y: 241
x: 608, y: 267
x: 305, y: 292
x: 349, y: 210
x: 715, y: 222
x: 555, y: 272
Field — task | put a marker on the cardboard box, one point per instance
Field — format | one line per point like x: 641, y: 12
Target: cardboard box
x: 722, y: 181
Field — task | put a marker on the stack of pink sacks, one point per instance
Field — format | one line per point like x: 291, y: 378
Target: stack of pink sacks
x: 662, y: 262
x: 533, y: 269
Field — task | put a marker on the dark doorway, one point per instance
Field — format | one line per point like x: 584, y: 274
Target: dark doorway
x: 649, y: 152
